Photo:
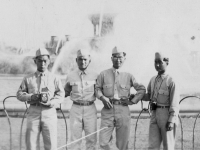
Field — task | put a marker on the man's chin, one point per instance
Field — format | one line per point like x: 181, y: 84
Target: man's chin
x: 82, y: 68
x: 41, y: 69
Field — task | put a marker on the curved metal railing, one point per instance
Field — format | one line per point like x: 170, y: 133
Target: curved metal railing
x: 20, y: 142
x: 24, y: 115
x: 9, y: 122
x: 182, y: 135
x: 143, y: 110
x: 60, y: 109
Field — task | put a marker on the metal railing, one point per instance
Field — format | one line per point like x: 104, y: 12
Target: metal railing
x: 24, y: 115
x: 182, y: 134
x: 136, y: 126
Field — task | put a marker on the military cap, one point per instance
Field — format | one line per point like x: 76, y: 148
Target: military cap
x: 41, y: 52
x: 83, y: 52
x: 117, y: 49
x: 162, y: 55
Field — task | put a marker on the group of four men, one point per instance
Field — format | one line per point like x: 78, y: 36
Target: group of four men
x: 44, y: 91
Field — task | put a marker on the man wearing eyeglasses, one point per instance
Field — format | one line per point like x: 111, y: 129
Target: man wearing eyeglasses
x: 113, y: 89
x: 44, y: 92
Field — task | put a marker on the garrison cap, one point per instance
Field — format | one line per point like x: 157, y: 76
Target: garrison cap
x: 83, y: 52
x: 117, y: 50
x: 162, y: 55
x: 41, y: 52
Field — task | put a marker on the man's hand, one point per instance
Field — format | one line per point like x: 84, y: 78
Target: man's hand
x: 35, y: 97
x: 106, y: 102
x: 48, y: 103
x: 126, y: 101
x: 169, y: 126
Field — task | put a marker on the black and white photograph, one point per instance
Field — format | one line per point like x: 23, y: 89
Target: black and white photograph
x: 100, y: 75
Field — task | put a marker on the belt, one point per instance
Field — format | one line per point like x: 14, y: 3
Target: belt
x: 115, y: 101
x: 162, y: 106
x: 38, y: 104
x: 83, y: 103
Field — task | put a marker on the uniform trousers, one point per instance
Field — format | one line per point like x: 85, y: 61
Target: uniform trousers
x: 41, y: 119
x: 157, y: 130
x: 117, y: 117
x: 83, y: 118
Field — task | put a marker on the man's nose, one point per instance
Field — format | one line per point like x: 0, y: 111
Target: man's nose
x: 43, y: 62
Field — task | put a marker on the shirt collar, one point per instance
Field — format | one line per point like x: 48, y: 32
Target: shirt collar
x: 84, y: 72
x: 40, y: 73
x: 114, y: 70
x: 162, y: 76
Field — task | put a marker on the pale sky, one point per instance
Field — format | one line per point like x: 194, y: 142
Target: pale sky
x: 143, y: 26
x: 29, y: 22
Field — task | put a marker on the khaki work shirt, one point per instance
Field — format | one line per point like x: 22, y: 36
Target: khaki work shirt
x: 31, y: 85
x: 107, y: 84
x: 80, y: 85
x: 164, y: 91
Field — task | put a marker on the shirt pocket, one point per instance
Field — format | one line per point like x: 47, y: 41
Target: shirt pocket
x: 124, y: 90
x: 75, y: 86
x: 51, y: 88
x: 163, y: 97
x: 108, y: 90
x: 89, y: 86
x: 32, y: 88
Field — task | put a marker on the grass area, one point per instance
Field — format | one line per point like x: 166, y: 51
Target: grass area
x: 141, y: 134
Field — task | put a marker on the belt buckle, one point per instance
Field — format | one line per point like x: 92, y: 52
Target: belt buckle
x: 118, y: 102
x: 87, y: 104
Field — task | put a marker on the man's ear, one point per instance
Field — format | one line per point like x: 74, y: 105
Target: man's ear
x: 76, y: 59
x: 34, y: 61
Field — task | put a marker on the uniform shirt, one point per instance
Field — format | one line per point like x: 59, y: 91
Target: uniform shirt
x: 163, y: 90
x: 108, y: 86
x: 81, y: 88
x: 31, y: 84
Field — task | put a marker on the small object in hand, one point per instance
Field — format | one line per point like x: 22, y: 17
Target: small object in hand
x: 153, y: 106
x: 44, y: 95
x: 131, y: 97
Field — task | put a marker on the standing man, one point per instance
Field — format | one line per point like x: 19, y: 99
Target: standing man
x: 163, y: 95
x: 43, y: 91
x: 113, y: 89
x: 80, y: 86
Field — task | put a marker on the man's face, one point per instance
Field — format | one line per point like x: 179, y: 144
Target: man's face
x: 42, y: 63
x: 160, y: 65
x: 118, y: 60
x: 83, y: 62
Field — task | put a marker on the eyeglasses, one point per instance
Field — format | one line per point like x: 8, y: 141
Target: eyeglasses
x: 118, y: 57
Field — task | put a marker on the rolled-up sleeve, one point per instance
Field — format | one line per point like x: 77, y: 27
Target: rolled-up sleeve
x: 99, y: 86
x: 139, y: 88
x: 147, y: 95
x: 22, y: 93
x: 59, y: 93
x: 174, y: 102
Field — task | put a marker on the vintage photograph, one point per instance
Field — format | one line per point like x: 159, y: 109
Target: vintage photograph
x: 99, y: 75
